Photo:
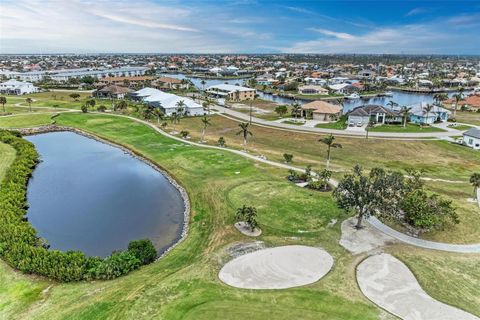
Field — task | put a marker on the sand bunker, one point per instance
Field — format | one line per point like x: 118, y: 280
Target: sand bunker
x: 277, y: 268
x: 388, y: 282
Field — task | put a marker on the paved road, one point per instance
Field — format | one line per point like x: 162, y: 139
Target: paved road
x: 461, y: 248
x: 352, y: 133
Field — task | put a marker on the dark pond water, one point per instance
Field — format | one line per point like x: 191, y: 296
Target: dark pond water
x: 90, y: 196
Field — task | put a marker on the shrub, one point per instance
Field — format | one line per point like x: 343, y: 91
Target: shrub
x: 143, y: 250
x: 288, y: 157
x: 84, y: 109
x: 184, y: 134
x: 116, y: 265
x: 101, y: 108
x: 221, y: 142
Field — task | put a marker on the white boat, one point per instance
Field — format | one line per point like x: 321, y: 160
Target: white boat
x: 353, y: 96
x: 388, y: 94
x: 476, y: 90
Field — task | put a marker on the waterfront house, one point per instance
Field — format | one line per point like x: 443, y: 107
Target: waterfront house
x: 376, y: 113
x: 312, y: 89
x: 471, y: 138
x: 111, y: 92
x: 321, y: 110
x: 231, y: 92
x: 419, y: 115
x: 16, y: 87
x: 167, y: 102
x: 170, y: 83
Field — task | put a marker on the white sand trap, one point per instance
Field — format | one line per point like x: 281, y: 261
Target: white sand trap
x: 277, y: 268
x: 362, y: 240
x: 387, y: 282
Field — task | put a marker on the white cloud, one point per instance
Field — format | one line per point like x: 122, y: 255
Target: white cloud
x: 416, y: 11
x: 339, y: 35
x: 405, y: 39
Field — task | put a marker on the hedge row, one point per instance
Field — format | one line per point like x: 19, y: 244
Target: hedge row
x: 23, y: 249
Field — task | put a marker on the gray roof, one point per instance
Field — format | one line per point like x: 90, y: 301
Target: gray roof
x: 372, y: 109
x: 473, y: 132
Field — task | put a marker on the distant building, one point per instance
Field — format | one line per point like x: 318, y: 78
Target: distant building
x: 124, y: 80
x: 16, y: 87
x: 167, y: 102
x: 471, y: 138
x: 321, y: 110
x: 170, y: 83
x: 111, y: 92
x: 312, y: 89
x: 231, y: 92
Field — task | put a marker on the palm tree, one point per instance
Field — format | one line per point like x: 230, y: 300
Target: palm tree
x: 29, y: 101
x: 405, y: 111
x: 427, y: 109
x: 206, y: 122
x: 296, y: 109
x: 329, y: 141
x: 458, y: 97
x: 180, y: 107
x: 175, y: 118
x: 3, y: 101
x: 475, y: 181
x: 159, y: 114
x: 206, y: 105
x: 392, y: 104
x: 203, y: 83
x: 244, y: 132
x: 121, y: 105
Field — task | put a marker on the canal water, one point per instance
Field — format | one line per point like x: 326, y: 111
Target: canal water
x: 402, y: 98
x: 90, y: 196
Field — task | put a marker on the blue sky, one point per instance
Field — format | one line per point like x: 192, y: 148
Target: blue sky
x: 240, y: 26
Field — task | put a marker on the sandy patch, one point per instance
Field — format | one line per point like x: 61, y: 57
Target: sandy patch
x: 362, y: 240
x: 277, y: 268
x: 387, y: 282
x: 245, y: 229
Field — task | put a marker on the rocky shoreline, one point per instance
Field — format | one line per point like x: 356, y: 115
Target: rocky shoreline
x: 183, y: 192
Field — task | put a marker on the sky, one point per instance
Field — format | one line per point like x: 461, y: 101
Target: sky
x: 240, y: 26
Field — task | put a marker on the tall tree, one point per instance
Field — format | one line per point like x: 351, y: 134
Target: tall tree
x: 392, y: 104
x: 458, y: 97
x: 3, y: 101
x: 379, y: 192
x: 405, y: 111
x: 330, y: 142
x: 427, y: 109
x: 244, y: 132
x: 296, y: 109
x: 29, y: 101
x: 475, y: 181
x: 206, y: 122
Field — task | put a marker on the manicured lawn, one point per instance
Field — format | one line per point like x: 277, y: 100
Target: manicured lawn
x: 468, y: 117
x: 463, y: 127
x: 184, y: 284
x: 399, y: 128
x: 27, y: 120
x: 337, y: 125
x: 293, y: 122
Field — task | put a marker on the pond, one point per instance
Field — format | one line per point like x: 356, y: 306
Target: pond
x: 90, y: 196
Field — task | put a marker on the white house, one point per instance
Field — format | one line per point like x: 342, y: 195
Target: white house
x: 234, y: 93
x: 312, y: 89
x: 13, y: 86
x: 471, y: 138
x: 167, y: 102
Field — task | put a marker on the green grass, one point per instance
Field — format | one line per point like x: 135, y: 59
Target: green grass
x: 293, y: 122
x: 26, y: 120
x: 410, y: 127
x: 468, y: 117
x: 462, y: 127
x: 184, y: 284
x: 337, y: 125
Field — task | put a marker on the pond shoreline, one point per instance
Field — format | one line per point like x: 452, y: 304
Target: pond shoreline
x: 134, y: 154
